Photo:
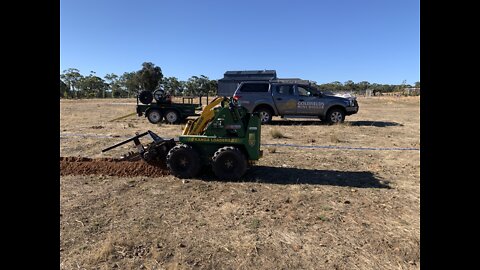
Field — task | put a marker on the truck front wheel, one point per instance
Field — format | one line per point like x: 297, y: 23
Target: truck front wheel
x: 335, y: 116
x: 265, y: 114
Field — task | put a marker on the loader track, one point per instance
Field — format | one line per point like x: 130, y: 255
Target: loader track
x: 110, y: 166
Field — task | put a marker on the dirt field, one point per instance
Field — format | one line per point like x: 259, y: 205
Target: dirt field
x: 300, y: 208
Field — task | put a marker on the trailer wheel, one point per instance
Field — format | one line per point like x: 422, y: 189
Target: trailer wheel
x: 172, y: 116
x: 154, y: 116
x: 183, y: 161
x: 145, y: 97
x: 229, y: 163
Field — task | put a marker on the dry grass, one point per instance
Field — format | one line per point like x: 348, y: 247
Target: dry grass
x: 276, y: 134
x: 255, y: 224
x: 106, y: 249
x: 334, y: 138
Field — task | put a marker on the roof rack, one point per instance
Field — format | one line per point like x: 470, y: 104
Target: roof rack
x: 291, y: 80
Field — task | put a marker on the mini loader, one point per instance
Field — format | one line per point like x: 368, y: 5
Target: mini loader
x: 225, y: 136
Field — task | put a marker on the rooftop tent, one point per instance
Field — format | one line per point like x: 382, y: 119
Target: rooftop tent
x: 253, y: 74
x: 231, y: 79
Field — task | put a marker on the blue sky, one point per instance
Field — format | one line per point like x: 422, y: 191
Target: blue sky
x: 324, y: 41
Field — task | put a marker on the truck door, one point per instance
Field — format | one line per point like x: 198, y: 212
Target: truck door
x: 285, y: 99
x: 307, y: 104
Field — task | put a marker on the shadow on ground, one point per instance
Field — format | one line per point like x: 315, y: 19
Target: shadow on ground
x: 320, y: 123
x: 317, y: 123
x: 286, y: 176
x: 296, y: 122
x: 375, y: 123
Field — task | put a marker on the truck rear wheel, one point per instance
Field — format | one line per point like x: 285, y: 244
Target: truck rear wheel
x: 154, y: 116
x: 183, y: 161
x: 229, y: 163
x: 335, y: 116
x: 265, y: 115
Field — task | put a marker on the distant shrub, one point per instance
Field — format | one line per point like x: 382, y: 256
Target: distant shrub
x: 276, y: 134
x: 272, y: 149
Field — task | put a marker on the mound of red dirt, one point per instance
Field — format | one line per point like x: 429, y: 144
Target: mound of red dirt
x: 109, y: 166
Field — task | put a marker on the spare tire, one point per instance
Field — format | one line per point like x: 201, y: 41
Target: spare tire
x: 158, y: 95
x: 145, y: 97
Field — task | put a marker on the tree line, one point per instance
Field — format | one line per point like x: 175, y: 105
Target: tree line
x: 362, y: 86
x: 150, y: 77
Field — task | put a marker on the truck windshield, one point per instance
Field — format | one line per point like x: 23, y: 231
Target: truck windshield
x: 303, y: 91
x: 314, y: 91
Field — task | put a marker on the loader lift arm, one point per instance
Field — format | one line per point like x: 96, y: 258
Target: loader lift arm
x: 197, y: 126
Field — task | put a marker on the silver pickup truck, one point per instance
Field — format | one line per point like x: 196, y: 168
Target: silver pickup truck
x: 293, y: 100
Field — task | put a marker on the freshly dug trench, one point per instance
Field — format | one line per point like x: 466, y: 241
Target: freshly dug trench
x: 110, y: 166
